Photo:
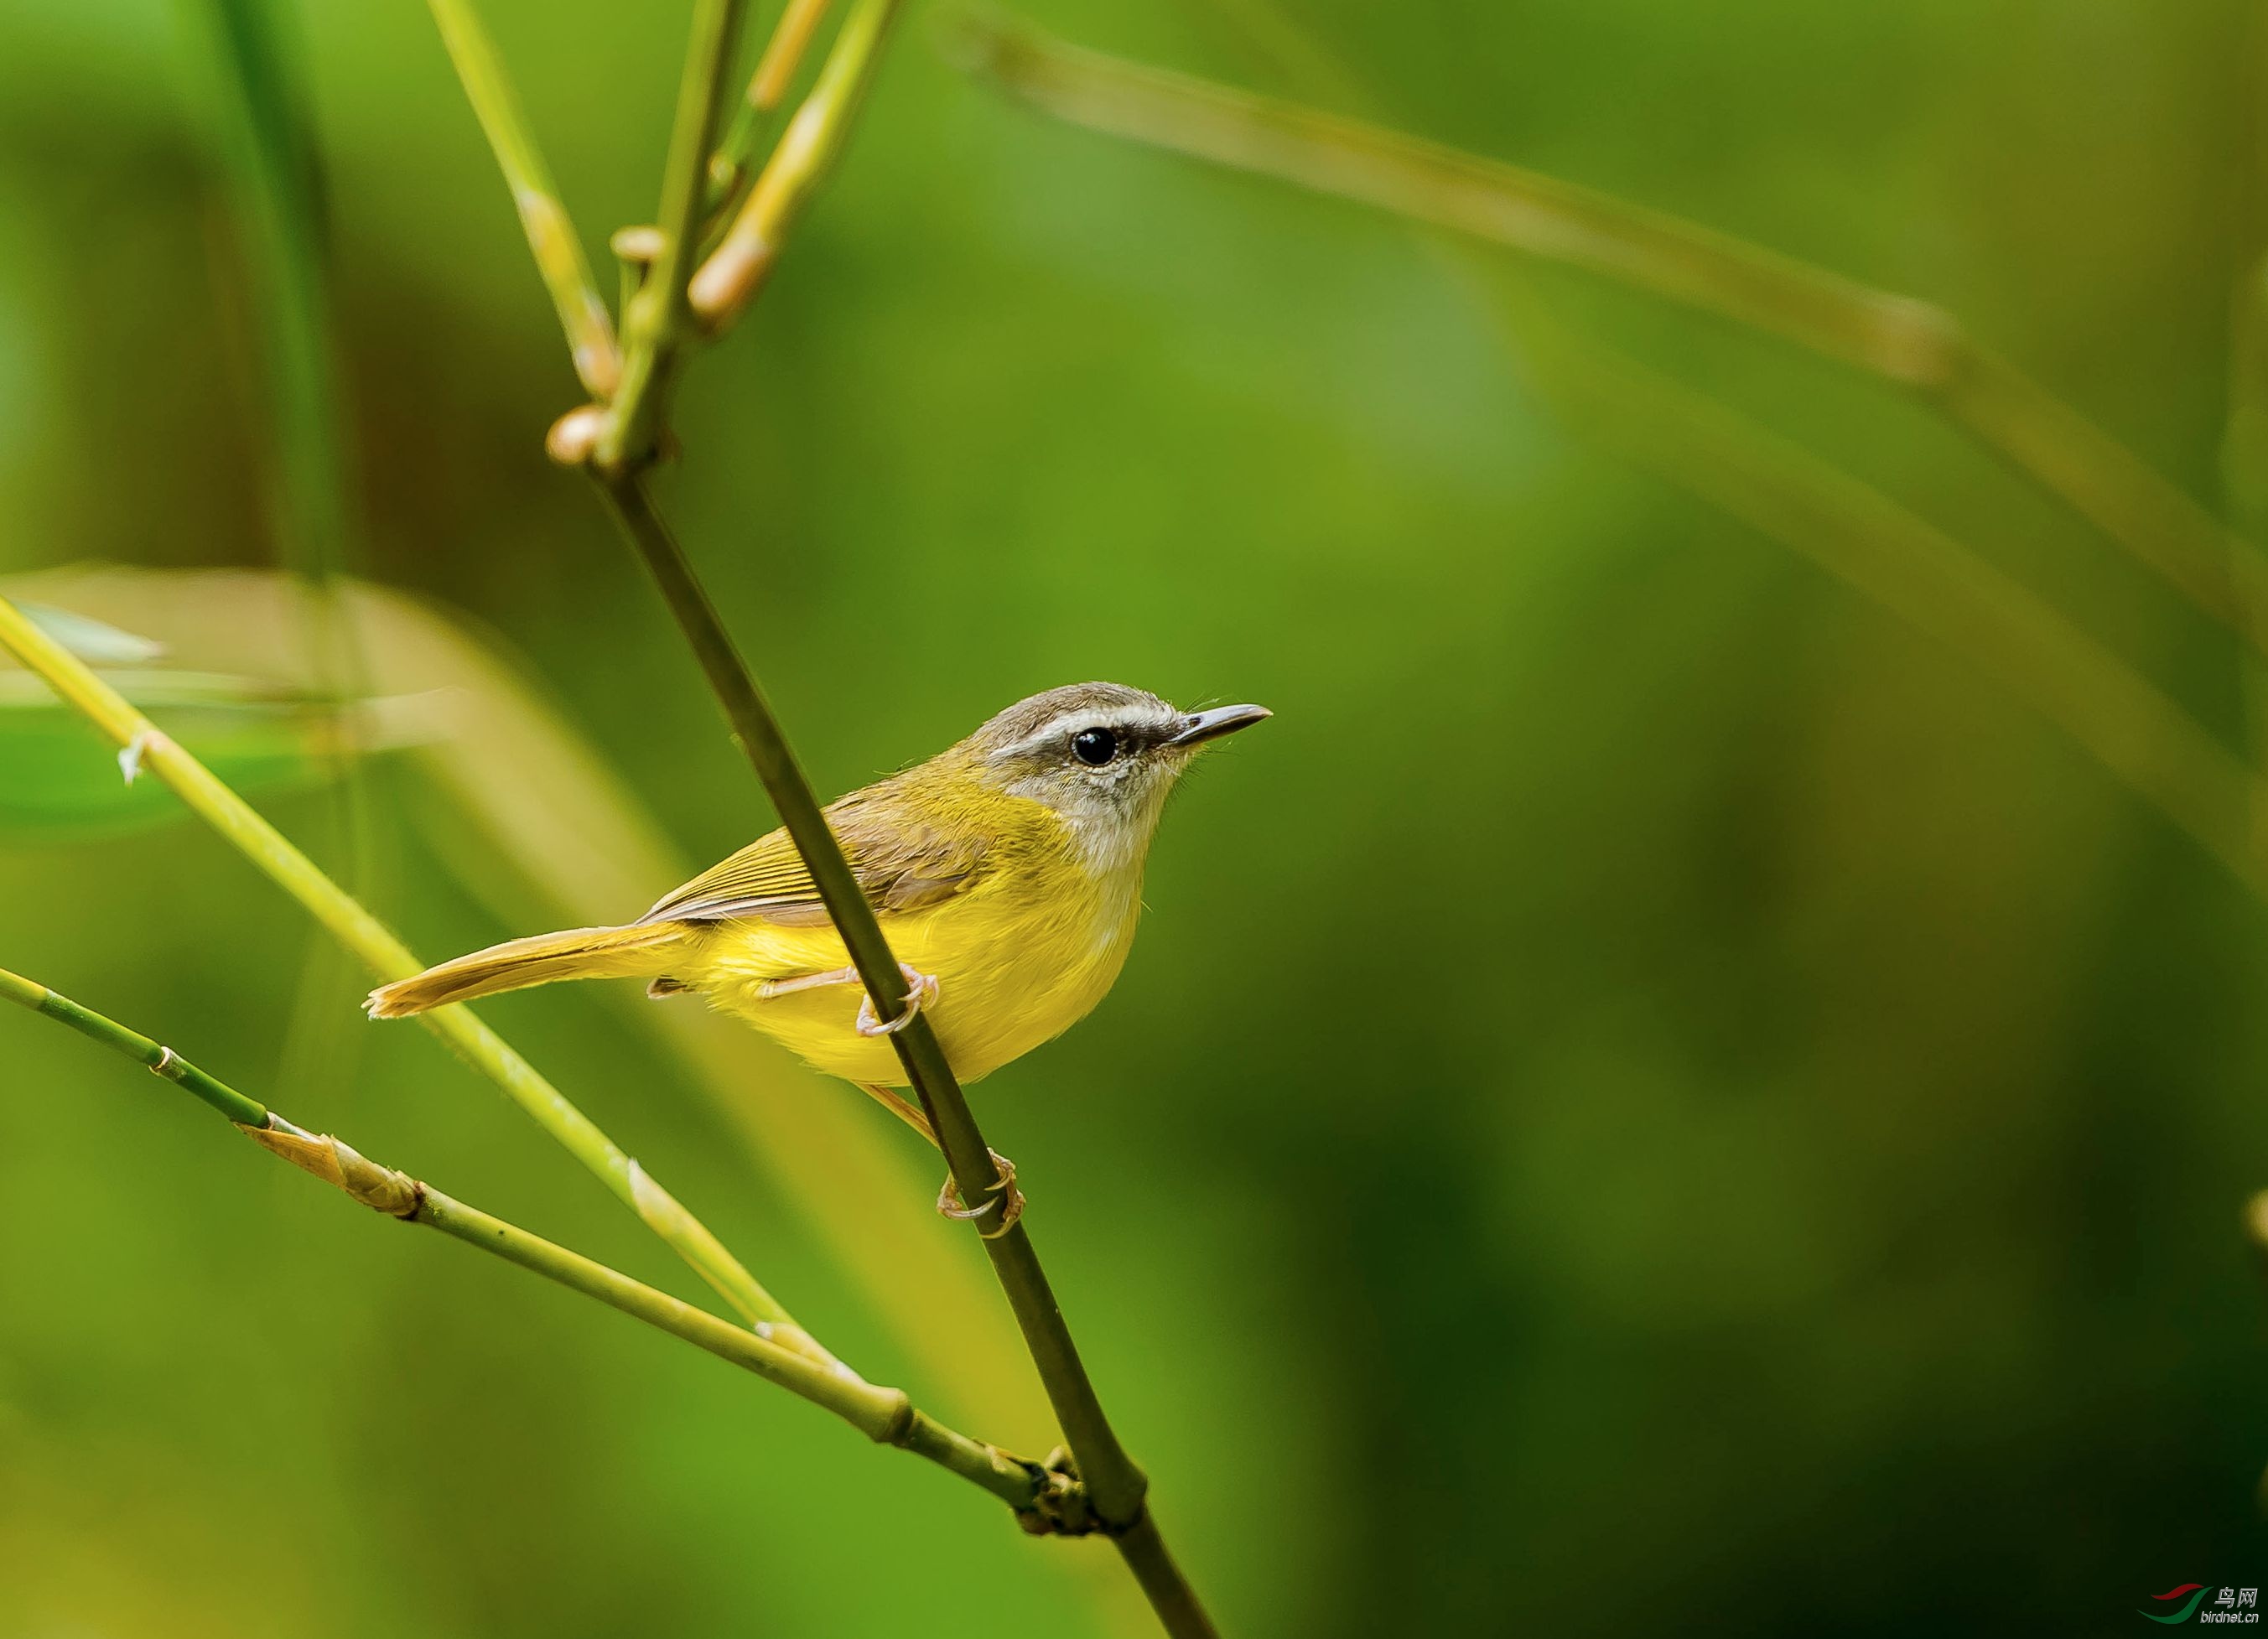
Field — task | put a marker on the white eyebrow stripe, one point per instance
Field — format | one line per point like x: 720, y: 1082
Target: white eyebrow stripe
x: 1076, y: 722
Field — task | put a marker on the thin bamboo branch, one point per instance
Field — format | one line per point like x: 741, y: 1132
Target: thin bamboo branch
x: 1906, y: 566
x: 144, y: 748
x: 1116, y: 1485
x: 1858, y: 534
x: 1912, y: 344
x: 656, y: 327
x: 887, y: 1416
x: 783, y: 52
x: 158, y: 1059
x: 743, y: 259
x: 551, y: 236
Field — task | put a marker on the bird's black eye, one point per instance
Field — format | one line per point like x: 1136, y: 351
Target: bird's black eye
x: 1094, y: 747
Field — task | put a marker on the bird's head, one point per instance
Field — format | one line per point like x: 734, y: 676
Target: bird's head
x: 1103, y: 756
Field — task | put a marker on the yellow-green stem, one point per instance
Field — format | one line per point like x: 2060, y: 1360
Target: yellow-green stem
x: 1906, y: 566
x: 1912, y: 344
x: 656, y: 322
x: 885, y: 1416
x: 156, y: 1058
x: 1116, y: 1485
x: 743, y: 259
x: 551, y: 236
x: 728, y: 167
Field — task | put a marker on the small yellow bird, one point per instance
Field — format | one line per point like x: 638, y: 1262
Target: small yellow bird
x: 1006, y: 871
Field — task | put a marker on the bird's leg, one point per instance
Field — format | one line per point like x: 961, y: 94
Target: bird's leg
x: 772, y: 988
x: 905, y: 1109
x: 948, y: 1198
x: 921, y: 990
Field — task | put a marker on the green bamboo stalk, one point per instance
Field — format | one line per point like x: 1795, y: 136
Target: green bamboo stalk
x: 783, y: 52
x: 1912, y: 344
x: 158, y: 1060
x: 743, y: 259
x: 1116, y: 1487
x: 551, y: 236
x: 885, y: 1416
x: 142, y: 747
x: 1907, y: 567
x: 655, y: 327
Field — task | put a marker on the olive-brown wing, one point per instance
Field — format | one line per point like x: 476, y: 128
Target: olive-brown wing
x: 902, y: 864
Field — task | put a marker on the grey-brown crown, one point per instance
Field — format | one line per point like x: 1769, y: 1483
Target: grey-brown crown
x: 1117, y: 700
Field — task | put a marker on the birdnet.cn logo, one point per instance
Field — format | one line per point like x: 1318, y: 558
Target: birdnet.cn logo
x: 2220, y: 1605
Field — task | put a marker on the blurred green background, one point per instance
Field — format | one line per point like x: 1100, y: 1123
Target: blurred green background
x: 1651, y: 1097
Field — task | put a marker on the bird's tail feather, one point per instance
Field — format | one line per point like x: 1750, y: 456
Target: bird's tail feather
x: 640, y: 950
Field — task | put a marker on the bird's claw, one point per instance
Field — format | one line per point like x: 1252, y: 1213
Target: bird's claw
x: 948, y: 1199
x: 921, y: 990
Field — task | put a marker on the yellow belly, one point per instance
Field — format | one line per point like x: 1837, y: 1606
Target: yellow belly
x: 1018, y: 962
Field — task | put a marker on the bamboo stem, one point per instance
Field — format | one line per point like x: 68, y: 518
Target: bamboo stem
x: 1906, y: 566
x: 655, y: 327
x: 1116, y: 1485
x: 1914, y: 345
x: 159, y: 1061
x: 551, y: 236
x: 144, y: 748
x: 885, y: 1416
x: 783, y: 52
x: 743, y: 259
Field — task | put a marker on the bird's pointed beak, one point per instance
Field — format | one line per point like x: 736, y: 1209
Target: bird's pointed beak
x: 1200, y: 726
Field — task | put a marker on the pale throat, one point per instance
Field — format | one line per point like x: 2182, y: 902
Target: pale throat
x: 1113, y: 861
x: 1111, y: 844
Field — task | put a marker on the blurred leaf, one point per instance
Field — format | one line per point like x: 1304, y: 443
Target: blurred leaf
x: 58, y: 779
x: 92, y: 641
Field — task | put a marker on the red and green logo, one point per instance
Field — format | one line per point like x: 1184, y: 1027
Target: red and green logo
x: 2189, y: 1593
x: 2240, y: 1606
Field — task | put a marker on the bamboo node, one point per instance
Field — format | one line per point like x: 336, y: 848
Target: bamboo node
x: 1060, y: 1506
x: 575, y: 435
x: 653, y: 1203
x: 342, y: 1165
x: 641, y: 245
x: 1915, y: 343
